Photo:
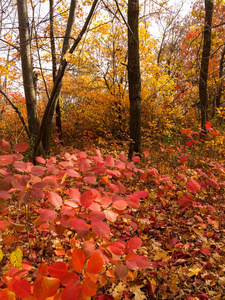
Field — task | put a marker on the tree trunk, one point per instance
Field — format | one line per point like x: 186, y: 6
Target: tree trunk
x: 134, y: 78
x: 220, y: 86
x: 57, y: 87
x: 54, y: 66
x: 203, y: 93
x: 48, y: 129
x: 27, y: 69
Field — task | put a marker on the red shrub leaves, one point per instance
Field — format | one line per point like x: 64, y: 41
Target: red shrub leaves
x: 95, y: 264
x: 78, y: 260
x: 45, y: 287
x: 21, y: 147
x: 134, y: 261
x: 89, y: 288
x: 57, y: 269
x: 134, y: 243
x: 193, y: 186
x: 21, y: 287
x: 71, y: 292
x: 55, y: 199
x: 101, y: 228
x: 4, y: 145
x: 120, y: 271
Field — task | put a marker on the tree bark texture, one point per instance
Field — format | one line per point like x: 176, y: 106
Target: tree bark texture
x: 134, y: 78
x: 203, y: 93
x: 27, y: 68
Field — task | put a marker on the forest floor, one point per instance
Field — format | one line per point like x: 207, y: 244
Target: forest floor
x: 156, y: 226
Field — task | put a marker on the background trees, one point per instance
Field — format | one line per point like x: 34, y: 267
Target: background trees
x: 94, y: 96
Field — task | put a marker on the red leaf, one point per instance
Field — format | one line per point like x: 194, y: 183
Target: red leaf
x: 83, y: 165
x: 4, y: 145
x: 54, y: 199
x: 21, y: 147
x: 43, y: 269
x: 57, y: 269
x: 78, y: 260
x: 74, y: 194
x: 101, y: 228
x: 6, y: 160
x: 208, y: 125
x: 134, y: 261
x: 136, y: 158
x: 45, y: 287
x: 3, y: 224
x: 183, y: 158
x: 121, y: 187
x: 71, y: 292
x: 95, y: 264
x: 106, y: 201
x: 21, y: 287
x: 120, y: 271
x: 121, y: 165
x: 88, y: 248
x: 20, y: 166
x: 89, y: 288
x: 69, y: 278
x: 134, y: 243
x: 117, y: 248
x: 38, y: 170
x: 109, y: 161
x: 111, y: 215
x: 87, y: 198
x: 5, y: 195
x: 81, y: 227
x: 41, y: 160
x: 123, y: 157
x: 193, y: 186
x: 78, y: 223
x: 185, y: 200
x: 96, y: 215
x: 89, y: 179
x: 215, y: 132
x: 146, y: 153
x: 120, y: 204
x: 189, y: 143
x: 47, y: 214
x: 141, y: 194
x: 6, y: 294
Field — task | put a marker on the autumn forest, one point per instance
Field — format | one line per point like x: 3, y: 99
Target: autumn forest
x: 112, y: 168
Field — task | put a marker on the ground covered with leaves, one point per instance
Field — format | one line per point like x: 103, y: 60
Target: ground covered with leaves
x: 93, y: 225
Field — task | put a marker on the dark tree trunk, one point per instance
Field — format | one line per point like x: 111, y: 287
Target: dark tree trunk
x: 27, y: 69
x: 54, y: 65
x: 203, y: 93
x: 134, y: 78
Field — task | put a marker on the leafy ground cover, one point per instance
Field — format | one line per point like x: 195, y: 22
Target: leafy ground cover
x: 88, y: 225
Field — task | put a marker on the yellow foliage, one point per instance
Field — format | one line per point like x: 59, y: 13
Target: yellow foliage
x: 1, y: 255
x: 16, y: 258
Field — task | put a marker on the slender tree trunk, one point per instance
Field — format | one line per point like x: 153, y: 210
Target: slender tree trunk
x: 47, y: 130
x: 220, y: 86
x: 203, y: 93
x: 27, y: 68
x: 58, y: 83
x: 134, y: 78
x: 54, y: 66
